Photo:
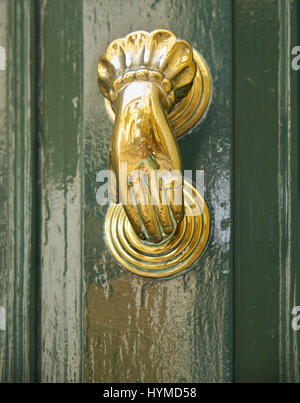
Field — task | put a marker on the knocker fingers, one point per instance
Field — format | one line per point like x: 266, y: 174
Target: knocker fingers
x: 154, y: 203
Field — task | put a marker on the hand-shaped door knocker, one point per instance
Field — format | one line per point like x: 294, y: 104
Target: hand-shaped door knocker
x: 156, y: 88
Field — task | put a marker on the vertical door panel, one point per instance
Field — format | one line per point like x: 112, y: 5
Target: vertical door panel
x: 61, y: 199
x: 266, y: 191
x: 18, y: 246
x: 180, y: 329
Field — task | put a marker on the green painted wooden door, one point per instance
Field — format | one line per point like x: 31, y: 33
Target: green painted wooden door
x: 69, y: 313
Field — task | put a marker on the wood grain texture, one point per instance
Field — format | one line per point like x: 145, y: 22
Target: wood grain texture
x: 61, y: 196
x: 18, y: 245
x: 140, y: 330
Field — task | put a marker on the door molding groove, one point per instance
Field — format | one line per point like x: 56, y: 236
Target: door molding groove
x: 288, y: 184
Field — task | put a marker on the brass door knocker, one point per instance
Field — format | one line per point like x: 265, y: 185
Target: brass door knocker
x: 156, y: 88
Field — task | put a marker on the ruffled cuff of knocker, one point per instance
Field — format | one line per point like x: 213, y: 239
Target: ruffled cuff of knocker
x: 157, y: 56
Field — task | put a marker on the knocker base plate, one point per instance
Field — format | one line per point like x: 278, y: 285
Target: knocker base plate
x: 188, y: 113
x: 161, y: 260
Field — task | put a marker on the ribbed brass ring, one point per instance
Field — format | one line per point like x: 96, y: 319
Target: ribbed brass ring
x: 168, y: 258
